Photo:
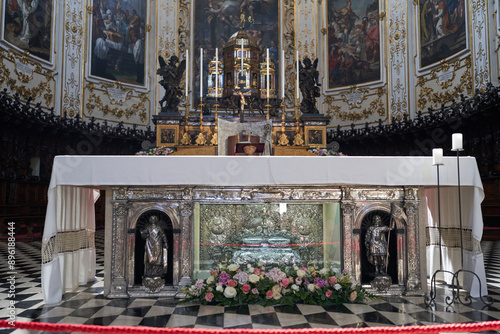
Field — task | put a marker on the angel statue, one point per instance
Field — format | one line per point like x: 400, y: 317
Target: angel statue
x: 309, y: 85
x: 171, y: 74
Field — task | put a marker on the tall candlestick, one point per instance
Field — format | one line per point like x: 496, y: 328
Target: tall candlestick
x: 216, y: 73
x: 201, y: 73
x: 282, y: 74
x: 456, y: 142
x: 297, y: 84
x: 267, y: 72
x: 187, y: 74
x: 437, y: 156
x: 242, y: 40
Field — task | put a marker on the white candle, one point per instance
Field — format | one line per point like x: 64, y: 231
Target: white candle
x: 456, y: 142
x: 242, y: 40
x: 437, y: 156
x: 187, y: 74
x: 216, y: 72
x: 283, y: 74
x: 297, y: 84
x: 267, y: 72
x: 201, y: 73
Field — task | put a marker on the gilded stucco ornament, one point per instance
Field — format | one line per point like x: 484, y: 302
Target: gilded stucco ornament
x: 24, y: 69
x: 376, y: 106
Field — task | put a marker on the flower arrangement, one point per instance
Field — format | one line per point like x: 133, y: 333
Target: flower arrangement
x: 258, y: 285
x: 325, y: 152
x: 162, y: 150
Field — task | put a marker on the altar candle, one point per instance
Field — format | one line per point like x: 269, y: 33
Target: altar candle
x: 283, y: 74
x: 201, y: 73
x: 297, y: 84
x: 456, y: 142
x: 216, y: 73
x: 437, y: 156
x: 267, y: 72
x: 187, y: 74
x: 242, y: 40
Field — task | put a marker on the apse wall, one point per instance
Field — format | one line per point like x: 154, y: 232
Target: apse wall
x: 377, y: 60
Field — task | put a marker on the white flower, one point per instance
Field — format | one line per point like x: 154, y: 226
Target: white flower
x: 210, y: 280
x: 311, y: 287
x: 253, y: 278
x: 323, y: 271
x: 233, y: 267
x: 219, y: 288
x: 242, y: 277
x: 301, y: 273
x: 229, y: 292
x: 295, y: 287
x: 337, y: 286
x: 336, y: 270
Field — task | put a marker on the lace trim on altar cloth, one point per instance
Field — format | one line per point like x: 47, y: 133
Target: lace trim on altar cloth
x: 66, y: 242
x: 450, y: 237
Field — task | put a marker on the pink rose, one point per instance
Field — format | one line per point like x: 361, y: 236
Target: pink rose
x: 255, y: 291
x: 213, y: 272
x: 285, y: 282
x: 332, y: 280
x: 232, y: 283
x: 269, y: 294
x: 246, y: 288
x: 256, y: 271
x: 303, y: 268
x: 298, y: 281
x: 209, y: 296
x: 328, y: 293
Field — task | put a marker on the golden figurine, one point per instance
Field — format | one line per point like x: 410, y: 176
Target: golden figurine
x: 186, y: 139
x: 201, y: 140
x: 298, y: 140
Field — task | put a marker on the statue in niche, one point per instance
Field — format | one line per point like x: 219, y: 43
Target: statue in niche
x: 377, y: 246
x: 309, y: 85
x: 171, y: 73
x: 155, y: 250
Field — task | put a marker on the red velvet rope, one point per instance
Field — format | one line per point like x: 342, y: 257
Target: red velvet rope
x: 449, y: 328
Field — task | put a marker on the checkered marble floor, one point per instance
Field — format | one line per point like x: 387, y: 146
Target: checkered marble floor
x: 88, y: 306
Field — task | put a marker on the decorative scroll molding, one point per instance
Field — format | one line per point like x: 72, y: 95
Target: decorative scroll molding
x: 27, y: 73
x: 72, y: 55
x: 355, y: 98
x: 289, y: 47
x: 480, y: 43
x: 437, y: 87
x: 398, y: 59
x: 117, y: 95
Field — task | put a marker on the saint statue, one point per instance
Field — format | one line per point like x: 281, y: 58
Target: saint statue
x: 171, y: 74
x: 376, y: 245
x: 309, y: 85
x: 155, y: 250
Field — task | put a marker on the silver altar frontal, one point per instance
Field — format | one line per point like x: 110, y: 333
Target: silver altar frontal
x: 292, y: 225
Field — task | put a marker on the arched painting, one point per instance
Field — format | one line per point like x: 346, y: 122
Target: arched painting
x: 27, y: 24
x: 353, y: 42
x: 443, y: 30
x: 118, y: 40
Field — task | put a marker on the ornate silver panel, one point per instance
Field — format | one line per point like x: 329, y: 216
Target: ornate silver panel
x: 250, y: 215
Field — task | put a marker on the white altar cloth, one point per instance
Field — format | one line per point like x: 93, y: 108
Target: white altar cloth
x: 76, y: 179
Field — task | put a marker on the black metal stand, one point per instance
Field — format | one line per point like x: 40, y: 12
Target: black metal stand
x: 455, y: 282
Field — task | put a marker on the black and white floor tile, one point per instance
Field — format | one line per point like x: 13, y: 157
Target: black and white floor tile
x: 88, y: 306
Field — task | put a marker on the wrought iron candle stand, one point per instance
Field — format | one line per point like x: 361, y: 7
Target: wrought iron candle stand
x: 457, y: 146
x: 430, y: 300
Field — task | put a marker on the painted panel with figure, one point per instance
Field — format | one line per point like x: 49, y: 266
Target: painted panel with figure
x: 353, y: 42
x: 443, y: 30
x: 27, y: 25
x: 118, y: 40
x: 216, y: 21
